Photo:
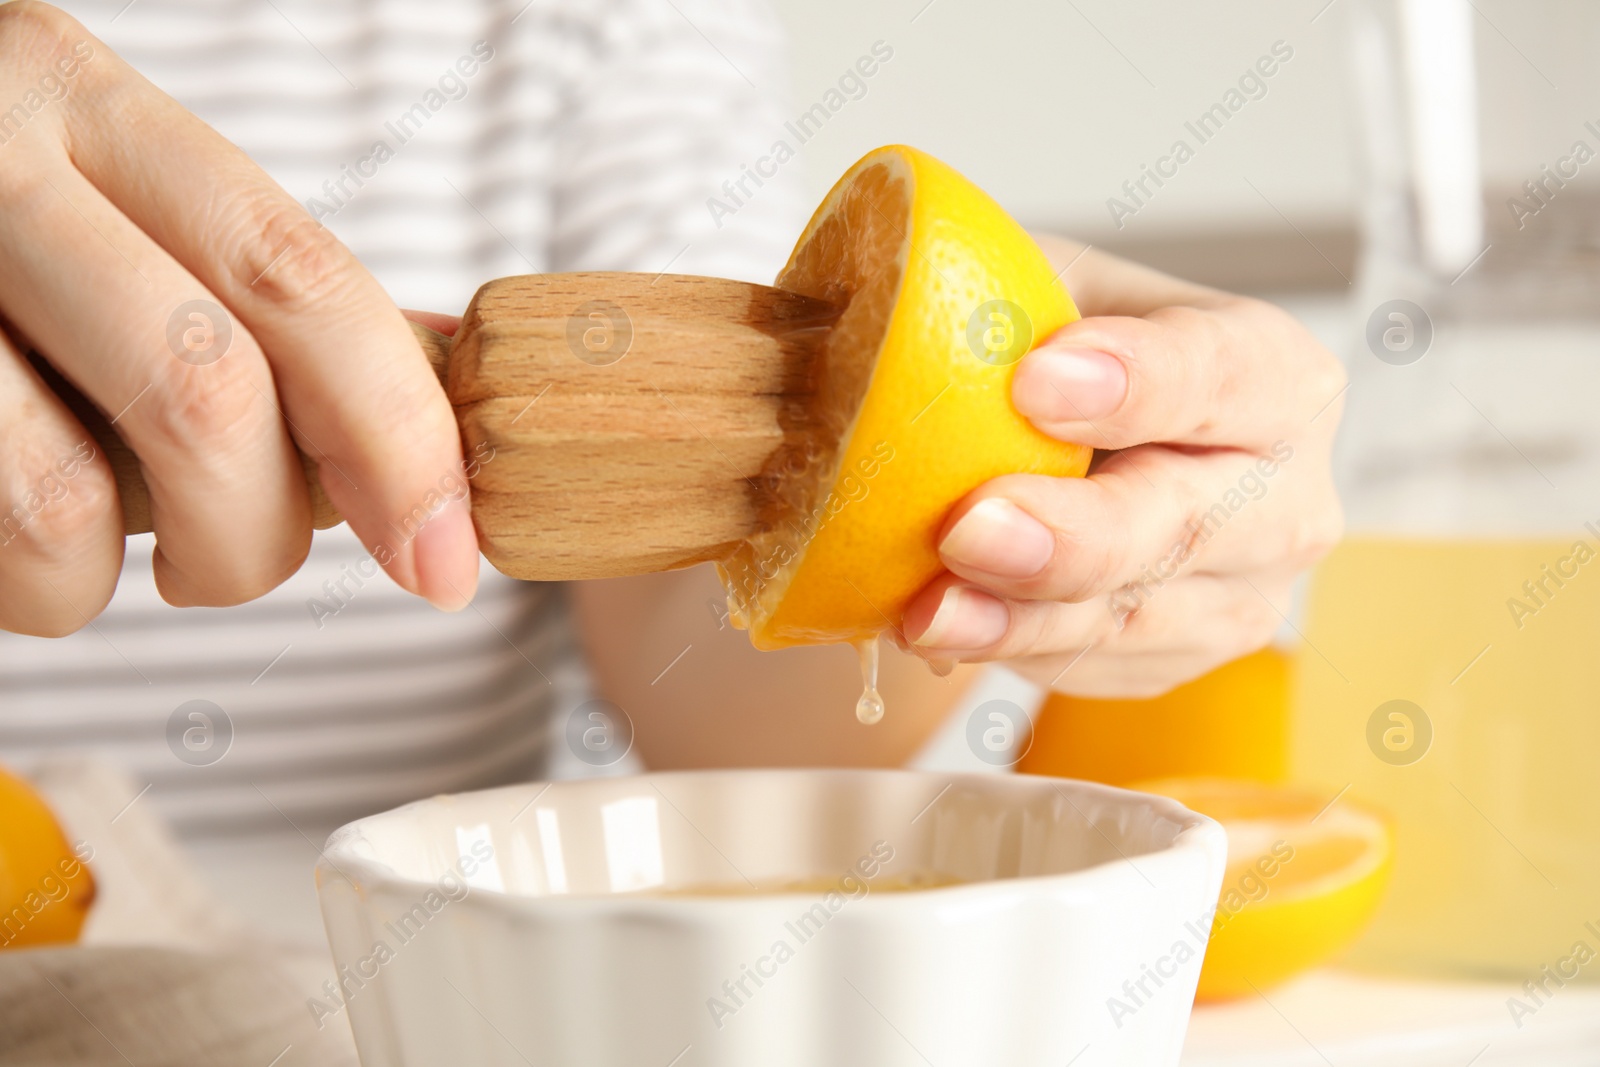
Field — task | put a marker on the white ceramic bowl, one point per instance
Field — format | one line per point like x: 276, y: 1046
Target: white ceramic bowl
x: 534, y: 924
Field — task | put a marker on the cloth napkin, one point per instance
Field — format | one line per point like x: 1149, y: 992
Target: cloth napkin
x: 163, y: 976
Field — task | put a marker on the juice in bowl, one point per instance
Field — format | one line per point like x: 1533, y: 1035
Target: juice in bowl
x: 780, y: 917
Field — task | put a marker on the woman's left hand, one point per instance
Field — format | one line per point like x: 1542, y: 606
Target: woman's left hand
x: 1212, y: 416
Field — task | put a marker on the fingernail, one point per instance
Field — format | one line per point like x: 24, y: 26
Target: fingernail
x: 997, y: 537
x: 446, y: 558
x: 967, y: 618
x: 1069, y: 385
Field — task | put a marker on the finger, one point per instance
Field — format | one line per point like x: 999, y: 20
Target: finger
x: 1237, y: 373
x: 1138, y: 662
x: 1142, y: 518
x: 60, y: 526
x: 227, y: 494
x: 355, y: 387
x: 435, y: 321
x: 1202, y: 620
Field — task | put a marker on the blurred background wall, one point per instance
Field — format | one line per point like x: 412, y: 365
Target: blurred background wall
x: 1052, y: 105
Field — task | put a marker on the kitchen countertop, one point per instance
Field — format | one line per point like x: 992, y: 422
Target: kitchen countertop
x: 1333, y: 1018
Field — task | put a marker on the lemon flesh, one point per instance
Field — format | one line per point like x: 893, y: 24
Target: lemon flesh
x: 1303, y: 880
x: 942, y: 293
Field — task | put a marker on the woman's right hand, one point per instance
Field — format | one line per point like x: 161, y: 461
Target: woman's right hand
x: 200, y: 307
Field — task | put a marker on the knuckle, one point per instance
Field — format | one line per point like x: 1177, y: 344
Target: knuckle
x: 1026, y: 636
x: 1205, y: 331
x: 1197, y: 515
x: 284, y: 256
x: 83, y: 514
x: 64, y: 504
x: 1195, y: 376
x: 1051, y: 629
x: 1321, y: 376
x: 57, y: 540
x: 1326, y: 379
x: 199, y: 409
x: 1086, y: 563
x: 1263, y: 315
x: 1216, y: 361
x: 34, y: 35
x: 1087, y: 570
x: 43, y: 52
x: 1317, y: 534
x: 430, y: 427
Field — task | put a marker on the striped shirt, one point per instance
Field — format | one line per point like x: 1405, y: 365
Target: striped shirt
x: 446, y: 144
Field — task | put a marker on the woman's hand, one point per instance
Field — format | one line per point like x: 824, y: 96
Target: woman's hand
x: 1216, y: 414
x: 218, y: 325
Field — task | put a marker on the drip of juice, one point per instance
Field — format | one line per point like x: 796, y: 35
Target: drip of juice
x: 869, y: 709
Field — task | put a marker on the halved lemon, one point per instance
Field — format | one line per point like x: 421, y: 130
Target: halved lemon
x: 943, y: 292
x: 1303, y: 878
x: 1230, y: 723
x: 45, y: 888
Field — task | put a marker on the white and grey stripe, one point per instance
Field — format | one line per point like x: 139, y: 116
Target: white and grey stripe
x: 589, y: 140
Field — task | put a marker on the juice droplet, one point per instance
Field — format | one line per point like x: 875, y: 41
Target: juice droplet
x: 869, y: 709
x: 941, y: 668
